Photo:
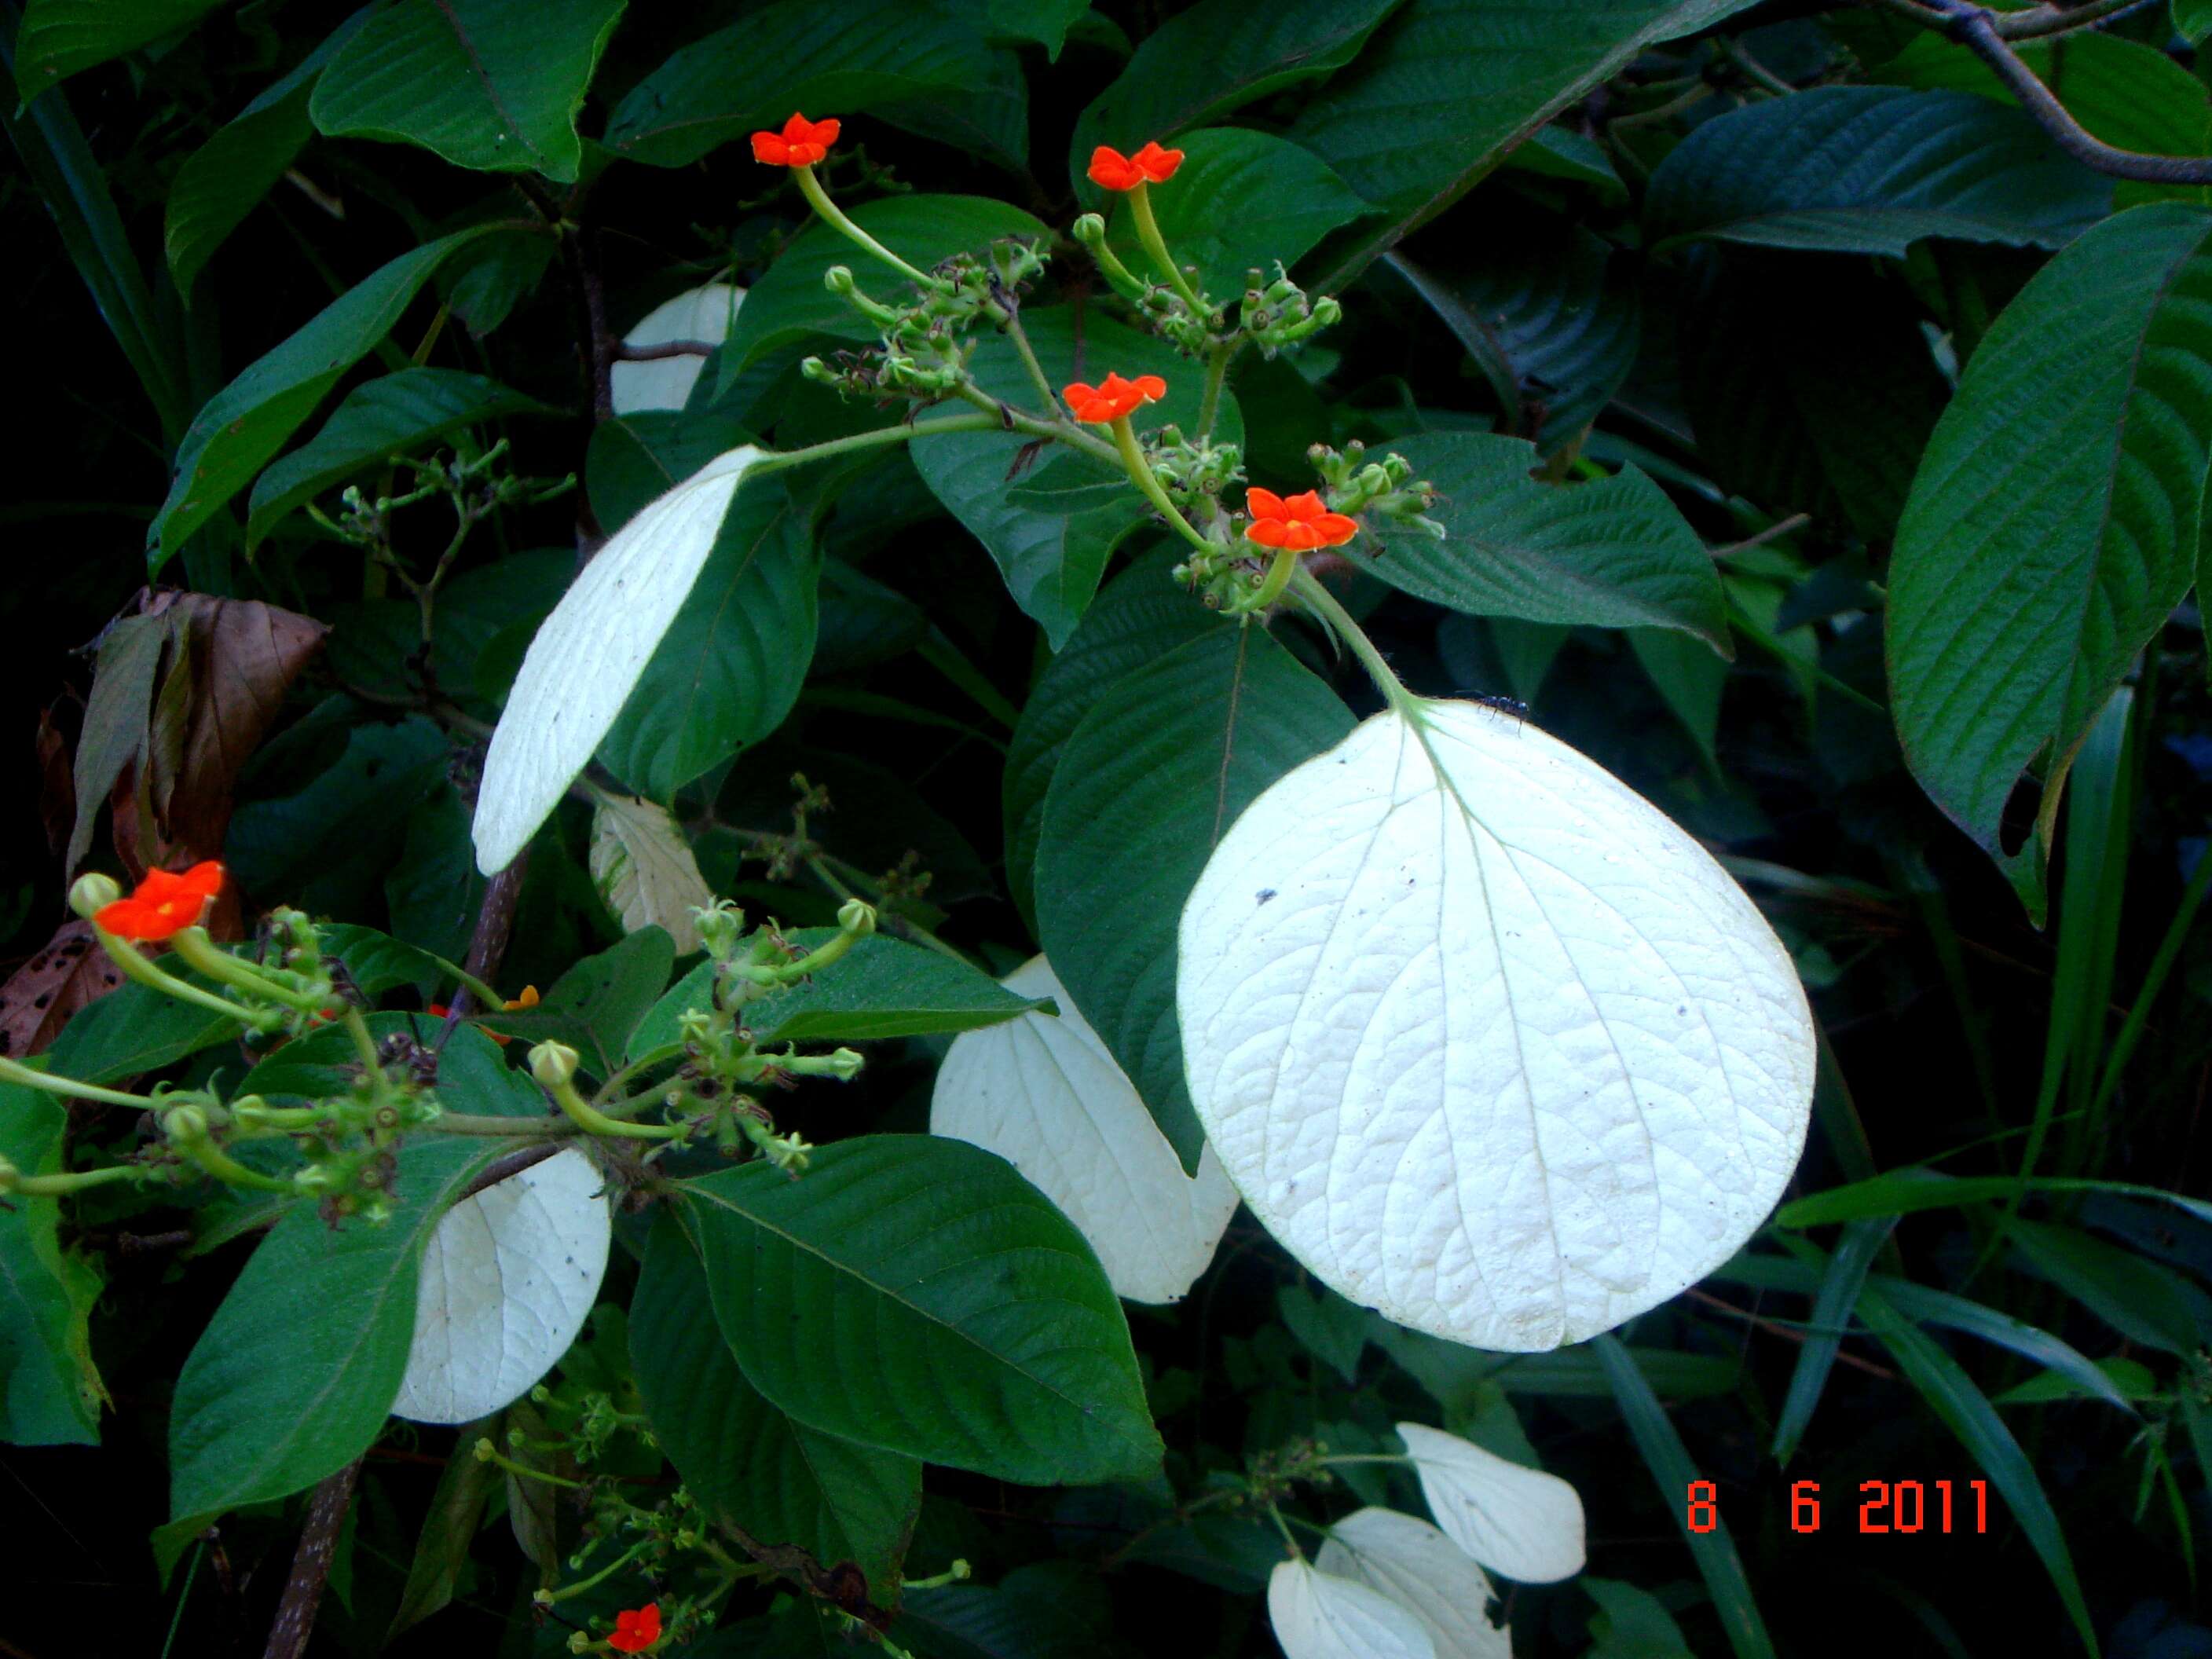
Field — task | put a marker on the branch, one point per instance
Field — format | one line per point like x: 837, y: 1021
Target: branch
x: 310, y: 1565
x: 495, y: 923
x: 1988, y: 35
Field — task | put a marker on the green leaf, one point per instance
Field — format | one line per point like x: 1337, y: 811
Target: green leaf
x: 50, y: 1391
x: 222, y: 182
x: 789, y: 303
x: 1139, y: 615
x: 434, y: 1571
x: 58, y: 37
x: 1332, y: 1329
x: 1832, y: 1309
x: 1148, y: 783
x: 596, y: 1003
x: 293, y: 1378
x: 633, y: 458
x: 489, y: 84
x: 1903, y: 1192
x: 247, y: 421
x: 135, y: 1030
x: 883, y: 987
x: 1830, y: 421
x: 915, y: 1294
x: 1872, y: 170
x: 1241, y: 202
x: 399, y: 414
x: 920, y: 64
x: 1548, y: 311
x: 2065, y: 484
x: 1966, y: 1411
x: 746, y: 1462
x: 2192, y: 19
x: 2129, y: 1379
x: 1451, y: 86
x: 1044, y: 22
x: 1673, y: 1473
x: 731, y: 665
x: 435, y: 890
x: 1052, y: 560
x: 2144, y: 1302
x: 1631, y: 1624
x: 1213, y: 59
x: 1614, y: 553
x: 377, y: 963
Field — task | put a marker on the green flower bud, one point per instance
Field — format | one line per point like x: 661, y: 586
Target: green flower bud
x: 553, y: 1064
x: 1090, y: 229
x: 838, y: 279
x: 857, y: 918
x: 94, y: 892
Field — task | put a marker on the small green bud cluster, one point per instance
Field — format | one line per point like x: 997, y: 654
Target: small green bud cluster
x: 1384, y: 488
x: 925, y: 347
x: 1194, y: 473
x: 1278, y: 314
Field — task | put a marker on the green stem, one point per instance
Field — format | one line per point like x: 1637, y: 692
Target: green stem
x: 2154, y: 980
x: 16, y: 1184
x: 591, y: 1120
x: 199, y: 951
x: 487, y: 1453
x: 1270, y: 589
x: 1011, y: 323
x: 1141, y: 475
x: 497, y: 1126
x: 818, y: 199
x: 11, y: 1072
x: 1216, y: 371
x: 1309, y: 588
x: 547, y: 1598
x: 1004, y: 417
x: 364, y: 1045
x: 125, y: 957
x: 1148, y: 233
x: 225, y: 1168
x: 1276, y: 1516
x: 891, y: 435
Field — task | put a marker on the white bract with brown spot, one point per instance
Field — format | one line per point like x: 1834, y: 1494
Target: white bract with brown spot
x: 1504, y: 1054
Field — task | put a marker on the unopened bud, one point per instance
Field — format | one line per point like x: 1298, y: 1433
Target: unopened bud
x: 857, y: 918
x: 844, y: 1064
x: 838, y: 279
x: 94, y: 892
x: 184, y: 1123
x: 1090, y: 229
x: 553, y: 1064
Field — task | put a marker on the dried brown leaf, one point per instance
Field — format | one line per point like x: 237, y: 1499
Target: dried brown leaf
x: 69, y: 972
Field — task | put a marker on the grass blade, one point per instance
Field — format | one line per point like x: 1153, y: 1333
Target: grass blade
x: 1832, y: 1312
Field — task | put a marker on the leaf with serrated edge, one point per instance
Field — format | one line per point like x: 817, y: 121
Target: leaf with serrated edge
x: 508, y: 1279
x: 644, y: 869
x: 1317, y: 1615
x: 1423, y: 1572
x: 703, y: 315
x: 1046, y: 1096
x: 591, y: 651
x: 1497, y: 1049
x: 1519, y: 1522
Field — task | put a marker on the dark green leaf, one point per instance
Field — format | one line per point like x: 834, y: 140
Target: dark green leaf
x: 293, y: 1376
x: 596, y: 1003
x: 1631, y: 1624
x: 50, y: 1392
x: 1872, y: 170
x: 1052, y: 560
x: 1044, y: 22
x: 401, y: 414
x: 58, y: 37
x: 732, y: 664
x: 449, y: 1528
x: 1147, y: 785
x: 135, y: 1030
x: 1331, y: 1329
x: 1832, y: 1310
x: 911, y: 63
x: 2065, y: 482
x: 1614, y: 553
x: 744, y: 1461
x: 893, y: 1295
x: 247, y: 421
x: 634, y: 458
x: 1451, y: 86
x: 377, y: 963
x: 1140, y: 614
x: 490, y: 84
x: 436, y: 890
x: 2144, y: 1302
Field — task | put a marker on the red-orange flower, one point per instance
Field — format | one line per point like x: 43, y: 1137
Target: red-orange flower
x: 163, y: 903
x: 1113, y: 397
x: 1298, y: 523
x: 527, y: 1000
x: 801, y: 143
x: 1151, y: 165
x: 636, y: 1629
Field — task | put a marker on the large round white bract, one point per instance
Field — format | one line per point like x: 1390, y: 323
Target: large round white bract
x: 1519, y: 1522
x: 703, y: 315
x: 1484, y: 1038
x: 586, y: 657
x: 509, y: 1277
x: 1424, y: 1572
x: 1046, y: 1096
x: 1317, y: 1615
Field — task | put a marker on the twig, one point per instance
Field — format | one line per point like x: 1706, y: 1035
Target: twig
x: 310, y: 1565
x: 494, y: 924
x: 511, y: 1163
x: 1988, y: 36
x: 1783, y: 1331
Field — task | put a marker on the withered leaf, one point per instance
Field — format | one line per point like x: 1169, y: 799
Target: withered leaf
x: 56, y: 787
x: 69, y: 972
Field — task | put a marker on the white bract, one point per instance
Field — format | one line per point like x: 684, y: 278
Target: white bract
x: 588, y: 654
x: 645, y: 869
x: 1422, y: 1570
x: 1519, y: 1522
x: 1046, y: 1096
x: 704, y: 314
x: 507, y: 1278
x: 1485, y: 1039
x: 1317, y: 1615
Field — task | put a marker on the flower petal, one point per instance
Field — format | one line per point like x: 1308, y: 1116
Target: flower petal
x: 1518, y: 1521
x: 1317, y: 1615
x: 1423, y: 1572
x: 1263, y: 503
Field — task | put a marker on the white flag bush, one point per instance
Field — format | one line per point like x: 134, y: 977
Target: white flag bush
x: 1519, y: 1522
x: 507, y: 1278
x: 703, y: 315
x: 1318, y: 1615
x: 1415, y: 1565
x: 587, y: 656
x: 1046, y: 1096
x: 1484, y: 1038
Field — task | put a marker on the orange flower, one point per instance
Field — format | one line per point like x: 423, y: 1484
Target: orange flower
x: 801, y: 143
x: 527, y: 1000
x: 163, y: 903
x: 1151, y: 165
x: 1298, y: 523
x: 636, y: 1629
x: 1112, y: 398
